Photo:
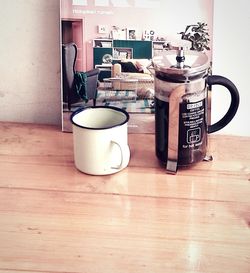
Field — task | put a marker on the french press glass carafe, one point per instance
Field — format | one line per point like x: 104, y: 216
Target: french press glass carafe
x: 182, y: 83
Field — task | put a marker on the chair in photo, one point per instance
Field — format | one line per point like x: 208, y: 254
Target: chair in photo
x: 70, y: 94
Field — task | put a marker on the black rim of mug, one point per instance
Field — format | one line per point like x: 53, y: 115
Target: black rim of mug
x: 81, y: 109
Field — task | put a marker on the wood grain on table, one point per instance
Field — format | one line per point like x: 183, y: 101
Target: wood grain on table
x: 54, y: 218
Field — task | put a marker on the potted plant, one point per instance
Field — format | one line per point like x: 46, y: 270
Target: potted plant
x: 197, y: 35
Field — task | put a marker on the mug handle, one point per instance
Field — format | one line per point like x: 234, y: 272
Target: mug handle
x: 235, y: 100
x: 122, y: 148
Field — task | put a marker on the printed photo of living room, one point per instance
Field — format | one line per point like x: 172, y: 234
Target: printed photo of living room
x: 115, y: 38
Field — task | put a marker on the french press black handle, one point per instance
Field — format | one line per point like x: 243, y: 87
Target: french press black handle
x: 235, y: 100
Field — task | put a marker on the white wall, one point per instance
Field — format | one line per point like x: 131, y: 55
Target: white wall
x: 30, y: 61
x: 231, y: 58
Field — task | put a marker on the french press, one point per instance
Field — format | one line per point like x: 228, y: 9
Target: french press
x: 182, y: 87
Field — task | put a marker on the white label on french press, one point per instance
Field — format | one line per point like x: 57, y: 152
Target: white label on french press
x: 194, y: 105
x: 192, y: 124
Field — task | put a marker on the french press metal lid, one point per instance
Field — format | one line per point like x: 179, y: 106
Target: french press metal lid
x: 181, y: 64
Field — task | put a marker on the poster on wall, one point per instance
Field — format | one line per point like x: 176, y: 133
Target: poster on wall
x: 105, y: 60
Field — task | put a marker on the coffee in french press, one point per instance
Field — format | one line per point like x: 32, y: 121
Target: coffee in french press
x: 182, y: 81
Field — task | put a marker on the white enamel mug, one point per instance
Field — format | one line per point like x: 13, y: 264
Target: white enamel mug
x: 100, y: 138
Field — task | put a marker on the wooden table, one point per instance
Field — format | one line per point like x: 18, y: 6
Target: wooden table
x: 55, y: 219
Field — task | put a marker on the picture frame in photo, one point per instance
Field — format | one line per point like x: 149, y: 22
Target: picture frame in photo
x: 148, y: 35
x: 132, y: 34
x: 118, y: 34
x: 101, y: 29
